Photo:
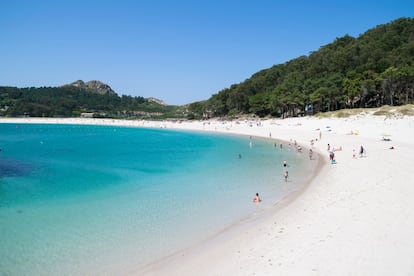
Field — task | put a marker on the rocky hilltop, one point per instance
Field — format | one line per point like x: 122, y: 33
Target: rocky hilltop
x: 155, y: 100
x: 95, y: 86
x: 104, y: 89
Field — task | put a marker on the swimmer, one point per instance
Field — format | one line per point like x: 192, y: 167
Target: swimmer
x: 286, y: 175
x: 257, y: 198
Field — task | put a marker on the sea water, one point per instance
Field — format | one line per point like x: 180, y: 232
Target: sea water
x: 106, y: 200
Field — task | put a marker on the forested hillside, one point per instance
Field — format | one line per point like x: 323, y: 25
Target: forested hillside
x: 375, y: 69
x: 72, y: 101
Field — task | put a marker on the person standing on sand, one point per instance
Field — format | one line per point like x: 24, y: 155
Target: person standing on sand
x: 331, y: 156
x: 257, y: 198
x: 310, y: 154
x: 361, y: 151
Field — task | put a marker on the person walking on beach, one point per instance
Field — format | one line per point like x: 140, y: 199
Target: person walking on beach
x: 286, y: 175
x: 310, y: 154
x: 332, y: 157
x: 257, y: 198
x: 361, y: 151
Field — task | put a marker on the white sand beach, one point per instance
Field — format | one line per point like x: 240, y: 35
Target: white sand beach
x: 356, y: 217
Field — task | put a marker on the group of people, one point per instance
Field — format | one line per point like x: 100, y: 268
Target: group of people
x: 257, y: 198
x: 298, y: 148
x: 362, y: 152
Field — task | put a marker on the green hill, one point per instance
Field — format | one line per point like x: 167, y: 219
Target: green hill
x: 92, y: 99
x: 375, y: 69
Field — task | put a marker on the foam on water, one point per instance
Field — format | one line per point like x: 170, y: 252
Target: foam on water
x: 96, y: 200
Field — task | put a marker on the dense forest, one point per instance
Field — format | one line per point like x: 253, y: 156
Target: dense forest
x: 71, y: 101
x: 375, y: 69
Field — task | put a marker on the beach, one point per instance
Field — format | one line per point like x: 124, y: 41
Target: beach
x: 355, y: 217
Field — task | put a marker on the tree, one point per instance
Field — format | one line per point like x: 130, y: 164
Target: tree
x: 260, y: 104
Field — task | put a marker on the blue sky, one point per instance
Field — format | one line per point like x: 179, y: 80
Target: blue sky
x: 179, y: 51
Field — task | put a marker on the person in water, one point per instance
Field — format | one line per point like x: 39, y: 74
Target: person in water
x: 286, y: 175
x: 257, y: 198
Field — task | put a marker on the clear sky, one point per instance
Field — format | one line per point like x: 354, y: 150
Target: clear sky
x: 179, y: 51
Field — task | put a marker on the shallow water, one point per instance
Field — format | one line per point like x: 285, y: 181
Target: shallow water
x: 102, y: 200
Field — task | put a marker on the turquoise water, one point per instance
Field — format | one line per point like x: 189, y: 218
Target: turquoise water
x: 105, y: 200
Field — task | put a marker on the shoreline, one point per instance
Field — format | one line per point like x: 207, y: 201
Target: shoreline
x: 237, y: 228
x: 354, y: 217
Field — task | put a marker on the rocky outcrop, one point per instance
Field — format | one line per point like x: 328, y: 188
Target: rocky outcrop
x: 155, y: 100
x: 94, y: 86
